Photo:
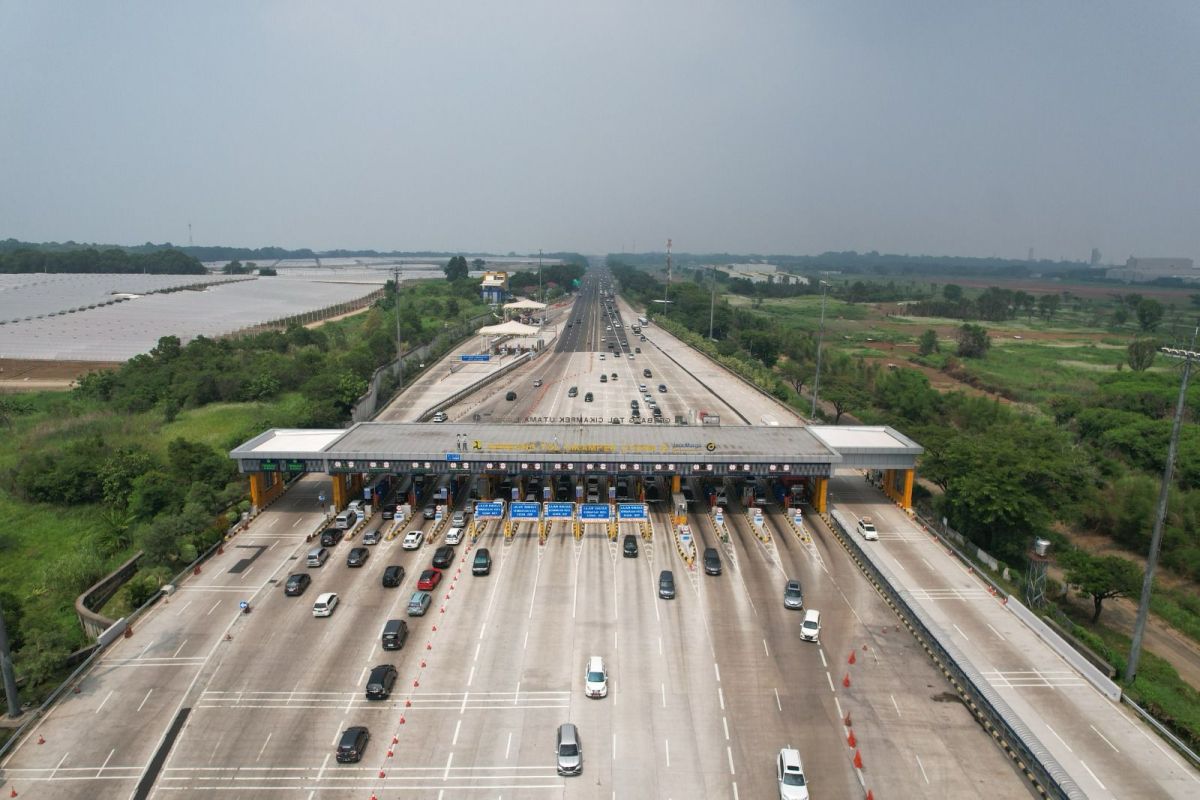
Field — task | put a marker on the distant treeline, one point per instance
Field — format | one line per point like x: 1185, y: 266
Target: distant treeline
x: 89, y: 260
x: 872, y: 262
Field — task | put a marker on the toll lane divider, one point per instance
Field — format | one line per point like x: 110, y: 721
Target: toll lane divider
x: 688, y: 554
x: 1005, y: 726
x: 760, y: 531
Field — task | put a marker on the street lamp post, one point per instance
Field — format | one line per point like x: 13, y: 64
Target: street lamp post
x: 820, y: 341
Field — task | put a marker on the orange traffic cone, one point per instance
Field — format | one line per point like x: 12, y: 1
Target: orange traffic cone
x: 850, y: 740
x: 852, y: 658
x: 846, y: 680
x: 857, y: 760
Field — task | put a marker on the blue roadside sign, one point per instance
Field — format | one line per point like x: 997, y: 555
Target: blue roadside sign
x: 560, y: 510
x: 489, y: 510
x: 631, y: 511
x: 594, y: 511
x: 475, y: 357
x: 454, y: 456
x: 524, y: 510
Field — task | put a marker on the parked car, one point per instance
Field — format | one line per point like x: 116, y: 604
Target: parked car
x: 429, y: 580
x: 393, y: 575
x: 357, y: 557
x: 297, y: 582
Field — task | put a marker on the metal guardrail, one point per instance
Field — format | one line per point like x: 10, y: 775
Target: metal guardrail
x: 1175, y: 741
x: 993, y: 712
x: 468, y: 391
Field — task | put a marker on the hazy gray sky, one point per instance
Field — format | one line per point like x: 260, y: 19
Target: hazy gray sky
x: 919, y: 127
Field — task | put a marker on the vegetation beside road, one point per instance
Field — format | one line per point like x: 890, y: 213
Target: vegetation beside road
x: 136, y: 458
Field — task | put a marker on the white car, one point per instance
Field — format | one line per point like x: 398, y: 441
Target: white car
x: 325, y: 604
x: 537, y: 383
x: 602, y: 356
x: 867, y: 528
x: 440, y: 416
x: 412, y: 540
x: 595, y: 678
x: 789, y: 771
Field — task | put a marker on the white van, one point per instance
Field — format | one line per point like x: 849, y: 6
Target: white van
x: 810, y: 629
x: 346, y: 520
x: 317, y: 556
x: 454, y: 535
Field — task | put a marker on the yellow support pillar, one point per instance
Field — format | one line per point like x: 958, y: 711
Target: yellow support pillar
x: 258, y: 489
x: 820, y: 485
x: 676, y: 483
x: 340, y: 499
x: 906, y: 498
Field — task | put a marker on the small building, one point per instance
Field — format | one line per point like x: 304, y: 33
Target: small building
x: 494, y: 287
x: 1145, y: 270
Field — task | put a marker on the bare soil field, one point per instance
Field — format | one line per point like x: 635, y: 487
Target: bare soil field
x: 26, y: 375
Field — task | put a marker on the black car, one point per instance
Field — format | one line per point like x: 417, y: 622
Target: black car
x: 357, y: 557
x: 388, y: 511
x: 296, y: 584
x: 712, y: 561
x: 587, y: 398
x: 331, y: 536
x: 381, y: 681
x: 443, y: 557
x: 666, y: 585
x: 510, y: 396
x: 630, y: 546
x: 483, y: 562
x: 352, y: 744
x: 393, y: 575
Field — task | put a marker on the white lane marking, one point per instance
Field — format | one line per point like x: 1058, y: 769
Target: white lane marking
x: 922, y: 766
x: 507, y: 745
x: 1106, y: 741
x: 517, y: 693
x: 64, y: 758
x: 179, y: 613
x: 454, y: 740
x: 533, y: 595
x: 216, y: 746
x: 778, y: 704
x: 660, y: 650
x: 721, y: 697
x: 272, y: 547
x: 735, y: 794
x: 449, y: 760
x: 247, y: 572
x: 928, y: 564
x: 144, y: 649
x: 1056, y: 736
x: 471, y: 675
x: 463, y: 707
x: 614, y: 749
x: 898, y: 564
x: 264, y: 747
x: 363, y: 675
x: 325, y: 763
x: 664, y: 694
x: 729, y: 753
x: 667, y: 745
x: 575, y: 594
x: 1097, y: 780
x: 960, y: 633
x: 298, y: 521
x: 821, y: 653
x: 765, y: 650
x: 105, y: 700
x: 144, y: 699
x: 717, y: 670
x: 725, y: 725
x: 176, y: 653
x: 998, y: 634
x: 214, y: 608
x: 838, y: 704
x: 477, y: 646
x: 829, y: 678
x: 526, y: 645
x: 482, y: 628
x: 897, y: 705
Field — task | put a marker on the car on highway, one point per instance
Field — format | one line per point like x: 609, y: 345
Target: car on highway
x: 440, y: 416
x: 637, y: 350
x: 538, y: 383
x: 395, y: 634
x: 373, y: 536
x: 357, y: 556
x: 810, y: 629
x: 573, y: 391
x: 430, y: 511
x: 429, y: 580
x: 568, y: 750
x: 510, y: 396
x: 388, y: 510
x: 867, y: 528
x: 629, y: 548
x: 459, y: 520
x: 587, y: 398
x: 482, y: 565
x: 614, y: 376
x: 595, y: 678
x: 603, y: 378
x: 712, y: 561
x: 412, y: 540
x: 454, y: 535
x: 393, y: 574
x: 722, y: 498
x: 789, y: 772
x: 418, y: 604
x: 325, y: 604
x: 297, y: 582
x: 380, y: 682
x: 662, y: 387
x: 631, y: 356
x: 666, y: 585
x: 793, y: 595
x: 602, y: 356
x: 331, y: 536
x: 352, y: 745
x: 443, y: 557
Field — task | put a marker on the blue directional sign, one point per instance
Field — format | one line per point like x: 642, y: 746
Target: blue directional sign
x: 475, y: 357
x: 490, y: 510
x: 454, y: 456
x: 594, y: 511
x: 560, y: 510
x: 524, y: 510
x: 243, y: 604
x: 631, y: 511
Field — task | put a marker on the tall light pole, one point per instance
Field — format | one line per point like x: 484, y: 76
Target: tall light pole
x: 667, y: 288
x: 1139, y: 626
x: 396, y: 308
x: 712, y: 300
x: 820, y: 341
x: 540, y: 298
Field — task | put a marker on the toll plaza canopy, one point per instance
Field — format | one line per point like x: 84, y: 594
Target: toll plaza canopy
x: 396, y: 447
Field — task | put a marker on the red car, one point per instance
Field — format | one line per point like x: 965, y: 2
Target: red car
x: 429, y: 580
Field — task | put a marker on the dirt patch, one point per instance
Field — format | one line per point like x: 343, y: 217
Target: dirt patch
x: 31, y: 375
x: 939, y: 380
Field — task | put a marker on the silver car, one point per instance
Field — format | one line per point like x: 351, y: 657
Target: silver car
x: 793, y: 595
x: 568, y: 750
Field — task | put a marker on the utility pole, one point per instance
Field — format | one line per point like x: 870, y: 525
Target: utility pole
x: 540, y: 295
x: 712, y: 300
x: 396, y: 308
x: 820, y: 341
x: 667, y: 288
x: 1139, y: 626
x: 6, y: 672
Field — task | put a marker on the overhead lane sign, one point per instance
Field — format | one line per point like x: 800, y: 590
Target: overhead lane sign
x: 560, y: 510
x: 525, y: 510
x: 475, y: 357
x: 595, y: 512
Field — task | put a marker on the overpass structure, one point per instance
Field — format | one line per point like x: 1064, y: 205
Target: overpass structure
x: 791, y: 454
